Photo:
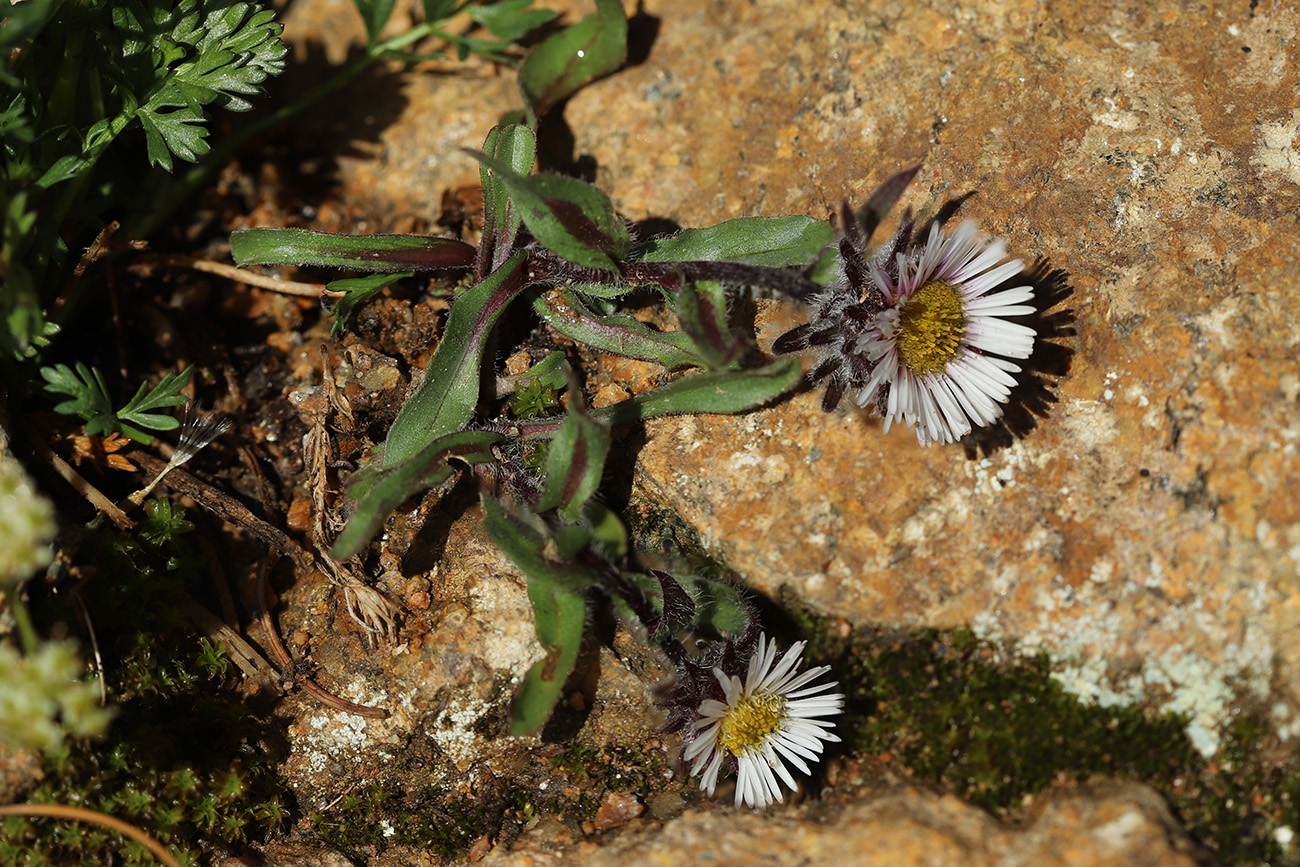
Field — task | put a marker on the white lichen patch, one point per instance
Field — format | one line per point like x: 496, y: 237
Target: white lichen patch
x: 326, y: 738
x: 991, y: 477
x: 1091, y: 423
x: 453, y: 734
x: 514, y: 646
x: 1275, y: 152
x: 1082, y: 630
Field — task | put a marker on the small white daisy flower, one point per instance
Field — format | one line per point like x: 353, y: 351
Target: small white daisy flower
x: 769, y: 719
x: 935, y: 345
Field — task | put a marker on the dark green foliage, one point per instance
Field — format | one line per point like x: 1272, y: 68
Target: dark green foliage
x: 383, y: 814
x: 534, y: 399
x: 73, y: 78
x: 163, y: 523
x: 941, y: 705
x: 997, y: 733
x: 90, y: 400
x: 184, y: 758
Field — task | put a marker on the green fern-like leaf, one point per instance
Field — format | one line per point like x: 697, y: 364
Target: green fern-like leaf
x: 88, y: 398
x: 136, y: 413
x: 198, y: 53
x: 89, y: 395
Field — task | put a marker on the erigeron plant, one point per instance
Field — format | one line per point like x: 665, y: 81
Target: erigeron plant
x: 925, y: 332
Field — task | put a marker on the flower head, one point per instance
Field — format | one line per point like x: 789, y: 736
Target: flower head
x: 912, y: 328
x: 935, y: 346
x: 768, y: 719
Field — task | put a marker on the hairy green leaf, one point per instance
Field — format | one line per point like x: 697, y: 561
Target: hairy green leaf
x: 620, y: 334
x: 557, y: 592
x: 272, y: 246
x: 771, y: 241
x: 590, y: 49
x: 574, y: 465
x: 716, y: 391
x: 701, y: 307
x: 379, y: 489
x: 445, y: 399
x: 571, y: 218
x: 516, y: 146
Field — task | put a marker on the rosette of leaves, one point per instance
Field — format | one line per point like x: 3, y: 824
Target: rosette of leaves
x: 558, y: 245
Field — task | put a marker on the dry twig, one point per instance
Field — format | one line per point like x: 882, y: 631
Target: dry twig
x: 230, y: 272
x: 81, y: 814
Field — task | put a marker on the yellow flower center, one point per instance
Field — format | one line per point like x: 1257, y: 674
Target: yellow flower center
x: 930, y: 327
x: 747, y: 725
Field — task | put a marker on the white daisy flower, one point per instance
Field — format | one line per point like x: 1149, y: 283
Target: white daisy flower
x: 935, y: 345
x: 769, y: 719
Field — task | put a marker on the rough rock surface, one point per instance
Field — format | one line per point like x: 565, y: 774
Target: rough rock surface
x: 1101, y: 825
x: 446, y: 685
x: 1144, y: 534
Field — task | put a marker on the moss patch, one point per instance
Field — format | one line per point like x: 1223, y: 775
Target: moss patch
x: 941, y: 705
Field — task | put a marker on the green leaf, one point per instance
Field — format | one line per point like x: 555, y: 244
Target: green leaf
x: 86, y: 387
x: 438, y: 10
x: 557, y: 592
x: 552, y: 371
x: 137, y: 412
x: 718, y: 391
x: 271, y: 246
x: 574, y: 465
x: 571, y: 218
x: 379, y: 489
x: 771, y: 241
x: 359, y: 290
x: 608, y: 533
x: 163, y: 522
x: 537, y: 390
x: 510, y: 19
x: 446, y: 398
x: 620, y: 334
x: 516, y: 146
x: 90, y: 400
x: 702, y: 309
x: 560, y: 616
x: 180, y: 133
x: 64, y: 168
x: 533, y: 550
x: 202, y: 52
x: 714, y: 606
x: 577, y: 55
x: 375, y: 13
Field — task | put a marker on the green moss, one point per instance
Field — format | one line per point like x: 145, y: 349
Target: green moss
x: 383, y: 814
x: 184, y: 758
x: 597, y: 770
x: 941, y: 705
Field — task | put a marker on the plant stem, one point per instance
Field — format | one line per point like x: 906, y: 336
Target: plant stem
x: 23, y: 620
